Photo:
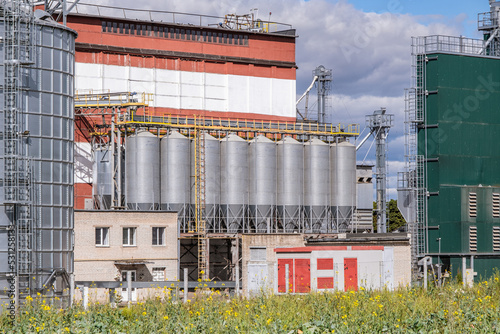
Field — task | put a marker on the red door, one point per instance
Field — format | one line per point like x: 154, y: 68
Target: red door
x: 282, y: 275
x: 302, y: 275
x: 350, y: 274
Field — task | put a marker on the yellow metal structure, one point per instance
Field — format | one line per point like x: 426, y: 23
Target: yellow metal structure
x: 200, y: 200
x: 236, y: 125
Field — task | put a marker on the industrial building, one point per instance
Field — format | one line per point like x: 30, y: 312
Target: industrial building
x: 179, y: 141
x: 450, y: 191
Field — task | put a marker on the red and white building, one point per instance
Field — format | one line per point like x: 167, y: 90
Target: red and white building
x: 190, y: 70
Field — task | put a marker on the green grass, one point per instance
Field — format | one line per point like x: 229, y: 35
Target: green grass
x: 452, y: 309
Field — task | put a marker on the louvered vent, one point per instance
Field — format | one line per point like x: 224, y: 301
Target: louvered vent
x: 472, y: 205
x: 496, y: 205
x: 496, y: 239
x: 473, y: 239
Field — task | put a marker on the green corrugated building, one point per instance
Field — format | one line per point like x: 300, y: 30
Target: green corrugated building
x: 453, y: 148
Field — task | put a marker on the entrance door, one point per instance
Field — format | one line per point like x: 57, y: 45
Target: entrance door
x: 302, y: 275
x: 125, y: 290
x: 350, y: 274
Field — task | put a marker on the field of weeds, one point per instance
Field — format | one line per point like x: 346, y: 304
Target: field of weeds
x: 451, y: 309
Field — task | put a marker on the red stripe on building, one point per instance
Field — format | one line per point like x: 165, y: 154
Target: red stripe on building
x: 309, y: 249
x: 260, y: 46
x: 178, y: 64
x: 367, y: 247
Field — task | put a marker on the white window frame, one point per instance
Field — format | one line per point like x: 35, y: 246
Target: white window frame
x: 158, y: 274
x: 103, y: 240
x: 160, y: 239
x: 129, y: 236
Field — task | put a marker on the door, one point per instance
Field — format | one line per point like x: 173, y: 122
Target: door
x: 350, y: 274
x: 302, y: 275
x: 125, y: 290
x: 282, y: 275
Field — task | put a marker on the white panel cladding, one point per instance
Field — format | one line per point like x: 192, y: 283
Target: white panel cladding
x: 83, y: 163
x: 193, y: 90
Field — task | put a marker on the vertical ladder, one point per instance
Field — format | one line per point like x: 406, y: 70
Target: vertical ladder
x: 200, y: 200
x: 19, y: 50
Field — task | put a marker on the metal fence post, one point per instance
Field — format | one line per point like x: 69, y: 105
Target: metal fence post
x: 185, y: 297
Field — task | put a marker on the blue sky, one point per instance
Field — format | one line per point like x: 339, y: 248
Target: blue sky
x: 449, y: 10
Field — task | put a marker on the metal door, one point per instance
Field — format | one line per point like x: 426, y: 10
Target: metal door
x: 350, y: 274
x: 302, y: 275
x: 282, y: 275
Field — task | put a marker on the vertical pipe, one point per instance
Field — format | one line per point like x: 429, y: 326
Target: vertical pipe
x: 425, y: 272
x: 237, y: 285
x: 129, y: 287
x: 464, y: 269
x: 71, y: 289
x: 185, y: 297
x: 85, y: 297
x: 287, y: 279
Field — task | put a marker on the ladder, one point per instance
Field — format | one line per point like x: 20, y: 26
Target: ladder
x: 19, y: 50
x: 200, y: 222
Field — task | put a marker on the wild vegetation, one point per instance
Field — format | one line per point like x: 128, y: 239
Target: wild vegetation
x: 450, y: 309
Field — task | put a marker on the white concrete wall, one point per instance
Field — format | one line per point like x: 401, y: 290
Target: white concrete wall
x: 193, y: 90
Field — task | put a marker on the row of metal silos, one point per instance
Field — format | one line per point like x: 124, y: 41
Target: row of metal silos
x: 257, y: 185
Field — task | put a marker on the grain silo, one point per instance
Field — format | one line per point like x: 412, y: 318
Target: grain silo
x: 142, y: 163
x: 36, y: 193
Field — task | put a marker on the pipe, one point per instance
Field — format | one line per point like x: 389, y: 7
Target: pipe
x: 308, y: 89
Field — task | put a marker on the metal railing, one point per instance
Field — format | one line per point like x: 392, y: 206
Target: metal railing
x: 447, y: 44
x: 222, y: 124
x: 162, y: 16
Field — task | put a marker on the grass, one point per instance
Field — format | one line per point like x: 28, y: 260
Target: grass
x: 451, y: 309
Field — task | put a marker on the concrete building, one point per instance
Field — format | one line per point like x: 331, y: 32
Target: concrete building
x: 108, y: 244
x: 328, y: 262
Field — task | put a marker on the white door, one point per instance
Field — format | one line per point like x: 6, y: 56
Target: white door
x: 124, y: 284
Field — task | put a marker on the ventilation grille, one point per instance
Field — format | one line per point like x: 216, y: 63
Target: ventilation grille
x: 473, y: 239
x: 496, y: 238
x: 496, y: 205
x: 472, y: 205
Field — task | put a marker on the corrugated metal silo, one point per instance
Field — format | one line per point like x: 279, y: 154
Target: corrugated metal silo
x: 212, y: 184
x: 142, y: 171
x: 43, y: 201
x: 234, y: 181
x: 175, y: 174
x: 343, y: 183
x: 316, y: 185
x: 290, y: 185
x: 262, y: 182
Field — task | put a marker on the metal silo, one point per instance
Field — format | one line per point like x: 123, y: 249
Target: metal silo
x: 262, y: 183
x: 316, y: 185
x: 102, y: 178
x: 175, y: 174
x: 234, y: 182
x: 290, y: 183
x: 212, y: 185
x: 343, y: 183
x: 36, y: 193
x: 142, y: 171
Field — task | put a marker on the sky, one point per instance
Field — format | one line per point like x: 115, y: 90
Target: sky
x: 366, y: 43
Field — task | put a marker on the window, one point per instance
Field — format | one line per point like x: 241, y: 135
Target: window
x: 158, y: 236
x: 120, y: 28
x: 158, y: 274
x: 129, y: 236
x: 103, y: 26
x: 258, y: 254
x: 101, y: 236
x: 127, y: 29
x: 473, y: 239
x: 472, y: 205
